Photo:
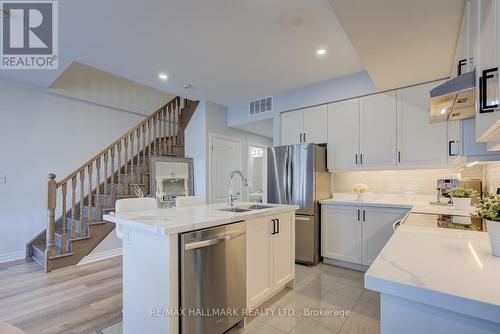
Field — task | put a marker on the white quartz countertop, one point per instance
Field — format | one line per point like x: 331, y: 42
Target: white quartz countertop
x: 415, y: 203
x: 184, y: 219
x: 446, y: 268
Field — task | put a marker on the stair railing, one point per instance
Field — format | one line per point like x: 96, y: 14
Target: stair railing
x: 158, y: 134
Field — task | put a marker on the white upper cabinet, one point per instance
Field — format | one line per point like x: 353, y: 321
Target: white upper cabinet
x: 304, y: 126
x: 343, y: 135
x: 419, y: 142
x: 465, y: 53
x: 377, y: 130
x: 488, y: 78
x: 315, y: 125
x: 291, y: 127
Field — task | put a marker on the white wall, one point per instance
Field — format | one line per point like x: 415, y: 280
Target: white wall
x: 328, y: 91
x: 42, y: 133
x: 210, y: 118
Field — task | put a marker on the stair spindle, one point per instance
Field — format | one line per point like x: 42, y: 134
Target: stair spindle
x: 105, y: 192
x: 155, y: 125
x: 82, y: 196
x: 149, y: 138
x: 137, y: 161
x: 98, y: 185
x: 113, y: 179
x: 144, y: 144
x: 50, y: 232
x: 119, y: 156
x: 132, y: 147
x: 73, y: 207
x: 171, y: 129
x: 63, y: 222
x: 160, y: 118
x: 125, y: 146
x: 89, y: 196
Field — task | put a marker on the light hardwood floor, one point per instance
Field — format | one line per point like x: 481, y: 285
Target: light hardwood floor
x: 77, y: 299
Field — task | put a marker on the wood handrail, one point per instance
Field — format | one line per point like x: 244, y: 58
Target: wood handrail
x: 109, y: 147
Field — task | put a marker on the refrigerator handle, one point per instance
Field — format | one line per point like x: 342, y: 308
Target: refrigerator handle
x: 285, y: 176
x: 290, y: 177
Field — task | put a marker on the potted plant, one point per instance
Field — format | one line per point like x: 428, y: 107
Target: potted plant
x: 462, y: 198
x: 360, y: 189
x: 489, y: 210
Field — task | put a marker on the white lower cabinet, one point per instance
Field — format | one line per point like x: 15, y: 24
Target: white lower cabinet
x: 270, y: 258
x: 356, y: 234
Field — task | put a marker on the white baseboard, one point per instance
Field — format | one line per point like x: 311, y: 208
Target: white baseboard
x: 100, y: 256
x: 7, y: 257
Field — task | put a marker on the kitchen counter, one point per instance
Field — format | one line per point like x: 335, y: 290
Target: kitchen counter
x: 185, y: 219
x: 414, y: 203
x: 151, y: 257
x: 438, y: 280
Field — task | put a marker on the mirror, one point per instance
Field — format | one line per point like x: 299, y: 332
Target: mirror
x: 170, y: 177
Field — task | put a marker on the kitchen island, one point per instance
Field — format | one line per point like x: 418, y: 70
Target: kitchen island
x: 436, y: 280
x: 151, y: 253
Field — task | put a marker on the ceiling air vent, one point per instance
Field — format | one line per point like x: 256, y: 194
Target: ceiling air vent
x: 261, y: 105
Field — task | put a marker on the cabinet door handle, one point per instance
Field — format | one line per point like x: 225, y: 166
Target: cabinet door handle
x: 483, y: 91
x: 274, y: 226
x: 449, y: 149
x: 278, y: 228
x: 356, y: 158
x: 399, y: 156
x: 364, y: 215
x: 361, y: 158
x: 461, y: 63
x: 359, y: 213
x: 305, y: 137
x: 300, y: 138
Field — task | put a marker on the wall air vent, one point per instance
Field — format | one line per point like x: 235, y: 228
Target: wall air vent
x: 261, y: 105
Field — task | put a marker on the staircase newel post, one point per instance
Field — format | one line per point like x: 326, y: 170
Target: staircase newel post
x: 51, y: 221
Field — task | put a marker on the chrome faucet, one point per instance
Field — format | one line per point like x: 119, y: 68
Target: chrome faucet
x: 230, y: 197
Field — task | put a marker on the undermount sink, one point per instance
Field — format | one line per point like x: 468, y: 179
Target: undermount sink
x: 246, y: 209
x: 234, y: 209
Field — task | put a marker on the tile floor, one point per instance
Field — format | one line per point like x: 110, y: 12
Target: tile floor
x: 335, y: 290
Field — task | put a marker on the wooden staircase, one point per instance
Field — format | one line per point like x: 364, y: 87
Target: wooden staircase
x: 82, y: 198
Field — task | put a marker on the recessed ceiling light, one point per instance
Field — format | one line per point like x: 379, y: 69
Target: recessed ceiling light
x: 321, y: 52
x: 163, y: 76
x: 187, y: 86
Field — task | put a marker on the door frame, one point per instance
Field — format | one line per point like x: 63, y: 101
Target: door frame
x: 211, y: 137
x: 264, y: 162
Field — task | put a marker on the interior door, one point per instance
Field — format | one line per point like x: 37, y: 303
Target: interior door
x: 419, y: 142
x: 292, y: 126
x: 343, y: 135
x: 226, y: 156
x: 378, y: 130
x: 315, y: 125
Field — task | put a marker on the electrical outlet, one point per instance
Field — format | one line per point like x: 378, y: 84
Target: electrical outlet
x: 3, y: 179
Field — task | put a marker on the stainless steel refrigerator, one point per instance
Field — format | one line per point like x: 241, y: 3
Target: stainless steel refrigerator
x: 297, y: 174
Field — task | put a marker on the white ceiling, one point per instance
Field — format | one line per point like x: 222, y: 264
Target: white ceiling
x: 229, y: 51
x: 402, y: 42
x: 262, y: 128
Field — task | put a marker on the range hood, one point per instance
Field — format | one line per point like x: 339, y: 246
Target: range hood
x: 454, y: 100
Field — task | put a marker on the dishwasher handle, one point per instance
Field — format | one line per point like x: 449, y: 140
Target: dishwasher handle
x: 396, y: 225
x: 215, y: 241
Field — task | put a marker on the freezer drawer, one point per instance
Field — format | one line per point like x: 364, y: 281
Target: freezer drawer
x: 307, y: 239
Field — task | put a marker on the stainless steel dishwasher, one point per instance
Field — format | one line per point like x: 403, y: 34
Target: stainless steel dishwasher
x: 212, y: 278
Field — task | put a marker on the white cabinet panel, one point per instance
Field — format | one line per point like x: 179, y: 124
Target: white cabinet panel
x: 315, y: 125
x: 283, y: 250
x: 341, y: 233
x: 259, y: 260
x: 343, y: 135
x: 291, y: 127
x: 378, y: 130
x: 377, y: 229
x: 418, y: 141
